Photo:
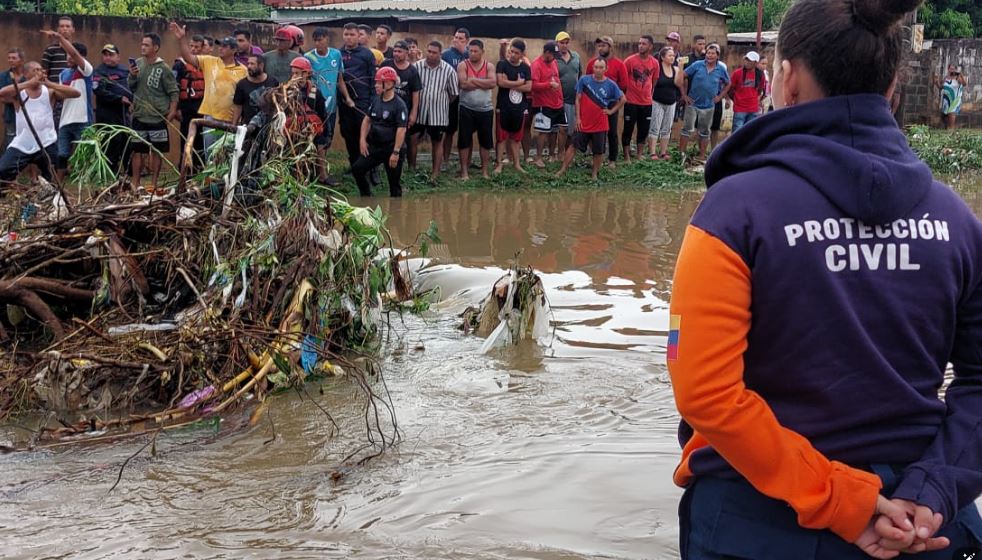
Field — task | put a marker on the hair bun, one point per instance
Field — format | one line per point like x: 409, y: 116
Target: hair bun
x: 881, y: 15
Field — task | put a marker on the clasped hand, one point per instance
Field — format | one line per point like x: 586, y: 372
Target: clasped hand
x: 901, y: 526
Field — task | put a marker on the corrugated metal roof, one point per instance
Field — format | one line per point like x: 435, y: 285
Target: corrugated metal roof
x: 436, y: 6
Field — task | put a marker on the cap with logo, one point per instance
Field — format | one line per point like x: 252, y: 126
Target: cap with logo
x: 562, y: 36
x: 550, y: 47
x: 228, y: 42
x: 109, y: 47
x: 753, y: 56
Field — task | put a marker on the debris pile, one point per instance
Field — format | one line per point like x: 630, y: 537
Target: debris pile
x: 183, y: 305
x: 516, y: 309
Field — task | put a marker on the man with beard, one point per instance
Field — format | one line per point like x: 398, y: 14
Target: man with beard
x: 618, y: 73
x: 247, y: 91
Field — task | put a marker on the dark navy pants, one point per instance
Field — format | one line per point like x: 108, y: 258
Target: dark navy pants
x: 723, y: 519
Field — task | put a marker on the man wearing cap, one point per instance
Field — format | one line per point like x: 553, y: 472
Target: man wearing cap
x: 547, y: 100
x: 618, y: 73
x: 113, y: 99
x: 570, y: 71
x: 221, y: 74
x: 675, y: 41
x: 278, y: 60
x: 749, y: 87
x: 154, y: 104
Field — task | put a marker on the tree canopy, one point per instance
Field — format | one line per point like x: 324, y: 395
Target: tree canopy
x: 245, y: 9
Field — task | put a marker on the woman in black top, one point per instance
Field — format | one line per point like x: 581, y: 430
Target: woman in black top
x: 383, y: 135
x: 665, y: 93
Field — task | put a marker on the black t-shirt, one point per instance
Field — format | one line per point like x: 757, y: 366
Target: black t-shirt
x: 387, y: 53
x: 510, y: 100
x: 409, y: 82
x: 387, y: 117
x: 664, y: 90
x: 247, y: 95
x: 359, y: 75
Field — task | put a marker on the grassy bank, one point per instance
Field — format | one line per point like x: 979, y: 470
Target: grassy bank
x: 948, y: 152
x: 642, y: 175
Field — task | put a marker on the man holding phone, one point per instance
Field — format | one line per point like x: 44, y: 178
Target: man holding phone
x: 154, y: 105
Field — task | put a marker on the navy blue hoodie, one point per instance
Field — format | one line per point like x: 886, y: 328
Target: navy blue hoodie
x: 824, y: 283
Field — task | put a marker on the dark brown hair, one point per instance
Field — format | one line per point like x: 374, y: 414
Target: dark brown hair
x: 851, y: 46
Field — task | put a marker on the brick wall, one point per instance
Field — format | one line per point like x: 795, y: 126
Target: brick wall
x: 627, y: 21
x: 922, y: 100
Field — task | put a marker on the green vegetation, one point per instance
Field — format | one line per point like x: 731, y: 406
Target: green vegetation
x: 942, y: 19
x: 948, y: 152
x: 744, y: 15
x: 245, y: 9
x: 642, y: 175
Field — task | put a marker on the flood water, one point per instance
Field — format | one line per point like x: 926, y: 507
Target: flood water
x: 558, y: 453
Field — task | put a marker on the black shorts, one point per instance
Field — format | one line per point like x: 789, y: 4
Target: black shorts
x: 454, y: 116
x: 717, y: 117
x: 556, y: 116
x: 594, y: 141
x: 154, y: 134
x: 481, y: 122
x: 434, y: 132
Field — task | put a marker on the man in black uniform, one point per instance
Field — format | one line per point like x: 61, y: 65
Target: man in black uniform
x: 383, y: 135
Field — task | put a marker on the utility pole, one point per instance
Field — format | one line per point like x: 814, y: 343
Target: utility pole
x: 760, y: 21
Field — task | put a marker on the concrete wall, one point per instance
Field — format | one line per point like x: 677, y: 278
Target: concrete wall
x: 922, y: 100
x: 21, y: 30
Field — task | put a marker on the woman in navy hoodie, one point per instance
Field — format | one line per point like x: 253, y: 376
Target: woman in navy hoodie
x: 823, y: 285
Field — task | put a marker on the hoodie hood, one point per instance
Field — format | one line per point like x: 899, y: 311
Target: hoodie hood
x: 846, y: 147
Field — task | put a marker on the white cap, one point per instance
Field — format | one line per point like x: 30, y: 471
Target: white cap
x: 753, y: 56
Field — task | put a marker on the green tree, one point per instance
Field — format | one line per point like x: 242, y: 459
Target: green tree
x: 946, y: 24
x: 246, y: 9
x: 744, y: 15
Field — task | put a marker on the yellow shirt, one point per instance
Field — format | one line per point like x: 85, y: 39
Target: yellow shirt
x: 220, y: 83
x: 379, y: 56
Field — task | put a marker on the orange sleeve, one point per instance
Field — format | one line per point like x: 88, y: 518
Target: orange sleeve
x: 710, y: 320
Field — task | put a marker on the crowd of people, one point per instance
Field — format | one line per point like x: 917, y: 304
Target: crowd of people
x: 386, y: 98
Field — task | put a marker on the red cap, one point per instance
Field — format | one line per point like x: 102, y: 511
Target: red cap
x: 302, y: 63
x: 283, y: 33
x: 386, y: 74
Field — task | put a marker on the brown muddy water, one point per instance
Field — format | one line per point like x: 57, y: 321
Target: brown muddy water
x: 557, y: 453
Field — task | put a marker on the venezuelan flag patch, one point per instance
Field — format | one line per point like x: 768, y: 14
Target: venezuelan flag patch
x: 673, y: 337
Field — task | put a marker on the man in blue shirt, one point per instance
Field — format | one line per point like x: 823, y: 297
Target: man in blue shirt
x: 704, y: 78
x: 454, y: 55
x: 328, y: 75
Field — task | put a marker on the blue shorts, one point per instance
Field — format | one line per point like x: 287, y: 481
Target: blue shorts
x: 728, y: 519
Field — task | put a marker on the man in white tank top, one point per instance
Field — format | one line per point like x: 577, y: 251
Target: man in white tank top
x: 37, y: 99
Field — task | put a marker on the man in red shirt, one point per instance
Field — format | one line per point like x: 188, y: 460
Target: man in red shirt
x: 642, y: 69
x: 547, y: 99
x: 749, y: 88
x: 618, y: 73
x: 597, y: 97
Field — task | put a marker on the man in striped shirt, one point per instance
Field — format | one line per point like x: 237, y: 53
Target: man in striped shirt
x: 440, y: 89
